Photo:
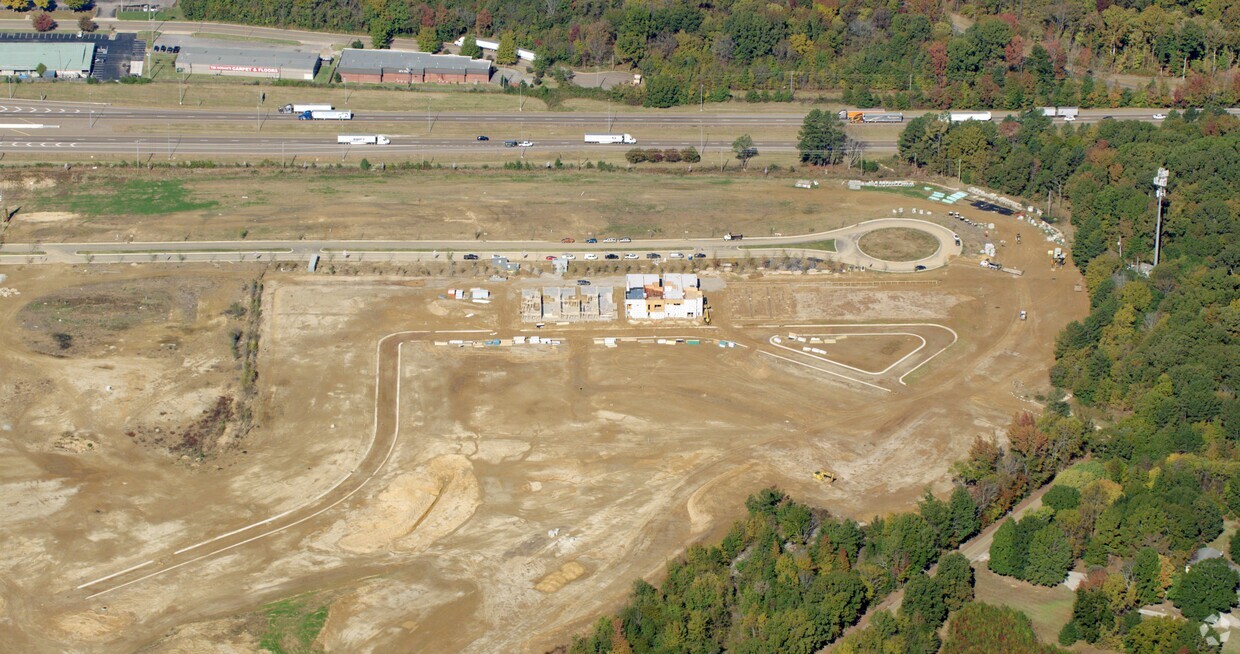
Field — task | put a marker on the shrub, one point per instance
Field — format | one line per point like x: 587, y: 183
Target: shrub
x: 1062, y: 497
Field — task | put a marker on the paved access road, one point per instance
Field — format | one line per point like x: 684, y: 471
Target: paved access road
x: 519, y: 251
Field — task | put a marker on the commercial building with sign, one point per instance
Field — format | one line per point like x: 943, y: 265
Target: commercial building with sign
x: 248, y: 62
x: 409, y: 67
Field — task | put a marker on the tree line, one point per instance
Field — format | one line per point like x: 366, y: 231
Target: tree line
x: 1014, y: 54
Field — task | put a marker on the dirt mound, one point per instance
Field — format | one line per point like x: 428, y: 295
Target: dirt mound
x: 567, y: 573
x: 416, y: 508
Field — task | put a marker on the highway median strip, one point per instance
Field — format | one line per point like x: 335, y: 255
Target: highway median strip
x: 188, y: 251
x: 827, y: 245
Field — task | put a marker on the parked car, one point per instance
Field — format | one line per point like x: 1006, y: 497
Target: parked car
x: 583, y: 282
x: 654, y: 255
x: 630, y: 255
x: 568, y: 256
x: 591, y: 240
x: 676, y: 255
x: 484, y: 138
x: 471, y: 257
x: 699, y: 255
x: 568, y: 239
x: 611, y: 256
x: 610, y: 239
x: 1023, y: 315
x: 550, y: 257
x: 625, y: 239
x: 176, y: 49
x: 591, y: 257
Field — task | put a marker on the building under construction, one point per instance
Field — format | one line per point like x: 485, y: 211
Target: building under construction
x: 569, y: 304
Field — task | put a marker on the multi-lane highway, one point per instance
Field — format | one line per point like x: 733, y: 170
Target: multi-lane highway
x: 71, y: 129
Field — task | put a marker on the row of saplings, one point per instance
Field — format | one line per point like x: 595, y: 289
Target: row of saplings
x: 670, y: 155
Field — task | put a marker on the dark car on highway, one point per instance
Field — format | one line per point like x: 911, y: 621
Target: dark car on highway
x: 471, y: 257
x: 483, y: 138
x: 591, y: 240
x: 583, y: 282
x: 918, y: 268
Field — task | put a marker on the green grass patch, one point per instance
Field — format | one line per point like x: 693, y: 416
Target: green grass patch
x: 237, y: 37
x: 138, y: 197
x: 170, y: 13
x: 293, y: 624
x: 826, y: 245
x: 191, y: 251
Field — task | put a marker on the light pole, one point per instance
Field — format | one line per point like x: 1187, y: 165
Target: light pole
x: 1160, y: 184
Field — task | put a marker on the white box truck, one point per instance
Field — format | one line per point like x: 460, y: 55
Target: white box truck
x: 326, y: 115
x: 303, y: 108
x: 610, y: 138
x: 363, y: 139
x: 962, y: 116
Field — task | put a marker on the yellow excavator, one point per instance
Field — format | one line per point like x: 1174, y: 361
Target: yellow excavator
x: 706, y: 313
x: 823, y: 475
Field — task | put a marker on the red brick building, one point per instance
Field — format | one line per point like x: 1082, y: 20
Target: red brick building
x: 406, y: 67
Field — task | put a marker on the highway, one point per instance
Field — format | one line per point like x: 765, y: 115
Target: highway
x: 73, y: 129
x: 845, y: 239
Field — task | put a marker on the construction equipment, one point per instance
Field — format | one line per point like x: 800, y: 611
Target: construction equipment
x: 823, y: 475
x: 706, y: 313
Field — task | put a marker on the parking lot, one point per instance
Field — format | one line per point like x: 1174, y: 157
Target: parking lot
x: 112, y: 52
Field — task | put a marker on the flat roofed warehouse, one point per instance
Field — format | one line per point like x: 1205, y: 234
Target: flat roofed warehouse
x: 409, y: 67
x: 71, y: 59
x: 248, y: 62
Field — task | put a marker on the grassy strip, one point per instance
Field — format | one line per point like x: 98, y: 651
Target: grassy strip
x: 171, y: 13
x: 194, y: 251
x: 237, y: 37
x: 827, y: 245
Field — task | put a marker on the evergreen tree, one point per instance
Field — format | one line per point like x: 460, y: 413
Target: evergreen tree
x: 1091, y: 613
x: 1146, y: 572
x: 1003, y: 553
x: 1050, y: 556
x: 1062, y: 497
x: 955, y: 578
x: 428, y: 40
x: 1208, y: 587
x: 964, y: 516
x: 923, y: 600
x: 821, y: 141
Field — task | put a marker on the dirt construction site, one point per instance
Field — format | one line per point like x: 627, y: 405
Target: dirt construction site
x: 184, y: 446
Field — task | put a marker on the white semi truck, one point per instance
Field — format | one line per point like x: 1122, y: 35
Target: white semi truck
x: 962, y: 116
x: 303, y: 108
x: 363, y: 139
x: 326, y: 115
x: 610, y: 138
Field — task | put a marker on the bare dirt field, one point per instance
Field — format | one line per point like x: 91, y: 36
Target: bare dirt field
x: 516, y: 492
x: 161, y: 205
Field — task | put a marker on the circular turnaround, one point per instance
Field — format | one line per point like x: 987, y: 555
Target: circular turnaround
x: 898, y: 244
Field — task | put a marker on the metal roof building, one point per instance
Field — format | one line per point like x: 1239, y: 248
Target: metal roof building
x: 408, y: 67
x: 72, y: 59
x: 248, y: 62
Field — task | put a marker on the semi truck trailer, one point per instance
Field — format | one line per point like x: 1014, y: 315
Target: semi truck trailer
x: 610, y: 138
x: 871, y: 117
x: 303, y: 108
x: 363, y: 139
x: 962, y: 116
x: 326, y: 115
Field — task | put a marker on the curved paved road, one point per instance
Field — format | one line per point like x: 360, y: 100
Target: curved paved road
x: 528, y: 251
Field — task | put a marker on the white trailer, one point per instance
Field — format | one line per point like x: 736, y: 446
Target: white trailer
x: 363, y: 139
x: 962, y: 116
x: 1069, y: 113
x: 303, y: 108
x: 326, y: 115
x: 610, y: 138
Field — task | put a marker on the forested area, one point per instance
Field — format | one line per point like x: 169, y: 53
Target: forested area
x: 1007, y: 54
x: 1155, y: 364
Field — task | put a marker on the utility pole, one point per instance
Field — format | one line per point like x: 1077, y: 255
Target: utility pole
x: 1160, y: 181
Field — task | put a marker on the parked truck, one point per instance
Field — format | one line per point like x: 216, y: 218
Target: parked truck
x: 303, y: 108
x: 733, y: 237
x: 962, y: 116
x: 363, y: 139
x: 610, y: 138
x: 871, y: 117
x: 326, y: 115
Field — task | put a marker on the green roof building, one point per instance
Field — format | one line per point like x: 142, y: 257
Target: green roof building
x: 63, y: 59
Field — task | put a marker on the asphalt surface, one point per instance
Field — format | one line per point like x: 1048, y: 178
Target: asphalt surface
x: 81, y: 128
x: 845, y: 239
